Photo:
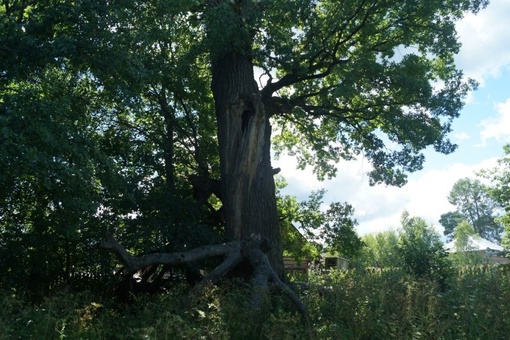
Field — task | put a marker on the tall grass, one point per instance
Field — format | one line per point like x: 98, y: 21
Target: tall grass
x: 358, y: 304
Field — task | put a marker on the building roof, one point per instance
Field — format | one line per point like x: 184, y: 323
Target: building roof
x: 475, y: 243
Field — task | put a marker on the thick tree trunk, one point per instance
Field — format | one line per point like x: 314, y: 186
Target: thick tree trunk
x: 244, y: 136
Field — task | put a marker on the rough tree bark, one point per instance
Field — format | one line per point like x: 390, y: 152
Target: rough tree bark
x: 244, y: 136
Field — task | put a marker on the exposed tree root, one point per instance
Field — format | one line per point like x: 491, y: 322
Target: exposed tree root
x: 252, y: 250
x: 263, y: 272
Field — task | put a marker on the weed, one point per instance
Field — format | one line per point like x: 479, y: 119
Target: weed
x: 357, y: 304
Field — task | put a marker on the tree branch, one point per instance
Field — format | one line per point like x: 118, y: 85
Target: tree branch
x: 134, y: 263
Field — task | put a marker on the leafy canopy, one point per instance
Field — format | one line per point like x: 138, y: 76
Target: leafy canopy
x: 365, y: 77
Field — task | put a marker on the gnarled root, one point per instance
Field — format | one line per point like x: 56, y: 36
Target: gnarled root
x: 263, y: 273
x: 252, y: 250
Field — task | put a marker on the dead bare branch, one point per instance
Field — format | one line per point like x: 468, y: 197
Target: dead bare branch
x: 134, y: 263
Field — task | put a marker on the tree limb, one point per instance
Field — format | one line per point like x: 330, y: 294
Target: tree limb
x: 134, y: 263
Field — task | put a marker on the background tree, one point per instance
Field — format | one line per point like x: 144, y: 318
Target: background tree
x: 297, y: 243
x: 381, y: 250
x: 421, y: 250
x: 338, y: 231
x: 449, y: 221
x: 464, y: 254
x: 474, y: 204
x: 332, y: 230
x: 50, y: 180
x: 100, y: 135
x: 54, y: 176
x: 499, y: 190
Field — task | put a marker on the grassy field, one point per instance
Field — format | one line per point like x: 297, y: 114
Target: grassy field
x: 363, y: 304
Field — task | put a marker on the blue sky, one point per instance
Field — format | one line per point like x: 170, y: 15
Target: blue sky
x: 481, y: 131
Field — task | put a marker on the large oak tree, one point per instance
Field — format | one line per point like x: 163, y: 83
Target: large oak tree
x: 335, y: 79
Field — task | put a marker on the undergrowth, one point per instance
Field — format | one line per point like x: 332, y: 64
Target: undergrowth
x: 362, y: 304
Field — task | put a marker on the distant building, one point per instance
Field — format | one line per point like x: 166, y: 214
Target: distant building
x: 489, y: 250
x: 293, y: 265
x: 335, y: 262
x: 326, y: 262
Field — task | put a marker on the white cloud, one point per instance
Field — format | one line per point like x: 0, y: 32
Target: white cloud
x: 497, y: 127
x: 485, y: 50
x: 379, y: 208
x: 470, y: 98
x: 461, y: 136
x: 302, y: 182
